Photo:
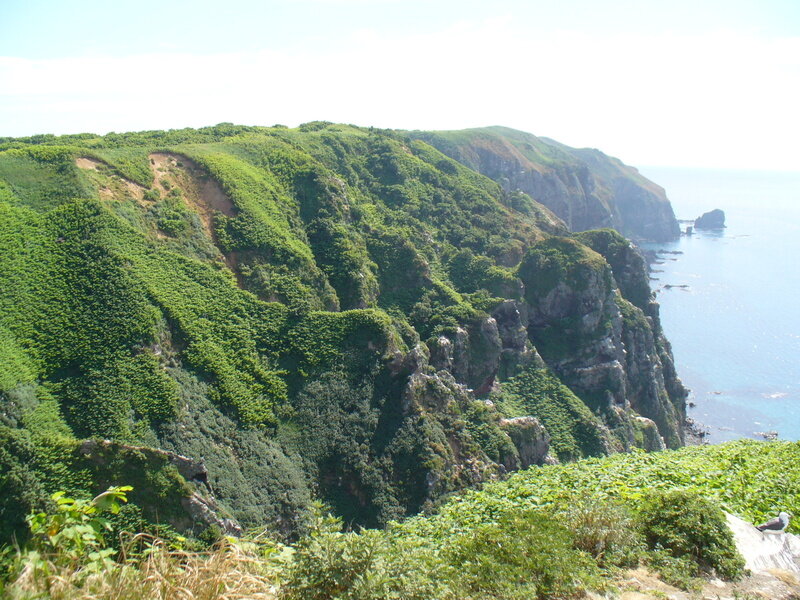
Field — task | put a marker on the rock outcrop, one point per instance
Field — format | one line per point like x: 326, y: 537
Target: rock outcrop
x: 531, y: 440
x: 764, y: 552
x: 114, y: 463
x: 584, y: 187
x: 713, y: 219
x: 609, y: 351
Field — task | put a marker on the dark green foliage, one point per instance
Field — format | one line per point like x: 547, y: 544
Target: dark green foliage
x: 519, y: 555
x: 158, y: 487
x: 471, y: 273
x: 253, y: 475
x: 20, y: 487
x: 574, y: 430
x: 330, y: 565
x: 335, y: 423
x: 557, y: 261
x: 689, y: 526
x: 342, y: 255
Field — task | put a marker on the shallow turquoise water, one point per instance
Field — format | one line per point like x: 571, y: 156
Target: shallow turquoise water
x: 735, y: 330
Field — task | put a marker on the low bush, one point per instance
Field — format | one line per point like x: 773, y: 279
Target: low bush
x: 687, y: 525
x: 520, y: 555
x: 331, y: 565
x: 606, y: 531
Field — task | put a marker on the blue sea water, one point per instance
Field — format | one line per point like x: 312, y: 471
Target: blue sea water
x: 735, y: 330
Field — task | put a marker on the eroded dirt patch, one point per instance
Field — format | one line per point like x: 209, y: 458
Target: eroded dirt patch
x: 201, y: 192
x: 110, y: 185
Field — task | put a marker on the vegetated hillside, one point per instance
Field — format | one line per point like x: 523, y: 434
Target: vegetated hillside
x: 584, y: 187
x: 324, y: 312
x: 549, y: 532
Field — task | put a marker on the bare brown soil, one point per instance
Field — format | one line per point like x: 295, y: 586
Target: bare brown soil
x: 111, y: 185
x: 202, y: 194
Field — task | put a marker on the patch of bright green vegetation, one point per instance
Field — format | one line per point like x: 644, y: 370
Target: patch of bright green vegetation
x: 574, y: 430
x: 754, y: 480
x: 42, y: 177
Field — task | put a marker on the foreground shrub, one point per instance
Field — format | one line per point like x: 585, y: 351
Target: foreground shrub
x: 689, y: 527
x: 520, y: 555
x: 606, y: 531
x: 230, y: 572
x: 331, y: 565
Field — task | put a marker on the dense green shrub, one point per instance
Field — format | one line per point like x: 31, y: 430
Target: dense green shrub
x: 329, y: 565
x: 574, y: 430
x: 605, y: 530
x: 688, y: 525
x: 558, y: 260
x: 21, y: 489
x: 519, y: 555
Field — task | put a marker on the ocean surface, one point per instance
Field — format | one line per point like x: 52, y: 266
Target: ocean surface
x: 735, y: 326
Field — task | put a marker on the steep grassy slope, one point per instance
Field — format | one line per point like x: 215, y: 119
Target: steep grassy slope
x: 318, y: 312
x: 584, y: 187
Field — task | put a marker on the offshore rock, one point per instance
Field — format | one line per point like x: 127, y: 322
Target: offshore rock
x: 714, y: 219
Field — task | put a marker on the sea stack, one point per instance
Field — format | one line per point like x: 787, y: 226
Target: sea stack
x: 714, y: 219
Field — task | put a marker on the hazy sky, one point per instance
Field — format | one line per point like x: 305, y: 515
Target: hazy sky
x: 673, y: 82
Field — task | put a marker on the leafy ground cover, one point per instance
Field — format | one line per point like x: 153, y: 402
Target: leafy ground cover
x: 549, y: 532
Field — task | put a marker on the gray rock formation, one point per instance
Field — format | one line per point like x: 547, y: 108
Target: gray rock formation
x: 764, y: 552
x: 531, y: 440
x: 713, y: 219
x: 610, y: 352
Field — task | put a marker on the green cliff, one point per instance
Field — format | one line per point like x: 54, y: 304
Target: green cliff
x: 326, y: 312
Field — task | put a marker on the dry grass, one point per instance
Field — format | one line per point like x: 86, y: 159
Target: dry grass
x: 228, y: 573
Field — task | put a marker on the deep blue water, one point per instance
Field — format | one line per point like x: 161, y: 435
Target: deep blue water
x: 735, y: 330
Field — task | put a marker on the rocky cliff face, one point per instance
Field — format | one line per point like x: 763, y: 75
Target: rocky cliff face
x: 609, y: 351
x: 585, y: 188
